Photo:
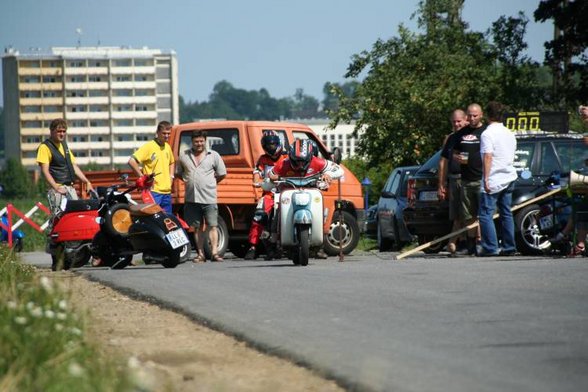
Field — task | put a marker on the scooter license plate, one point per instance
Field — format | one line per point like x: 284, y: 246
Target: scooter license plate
x: 177, y: 238
x: 546, y: 222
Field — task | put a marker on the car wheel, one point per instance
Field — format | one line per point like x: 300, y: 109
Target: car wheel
x: 344, y: 234
x: 528, y: 237
x: 384, y: 244
x: 223, y: 239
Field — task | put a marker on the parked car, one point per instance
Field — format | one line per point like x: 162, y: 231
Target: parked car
x: 391, y: 232
x: 541, y: 153
x: 371, y: 222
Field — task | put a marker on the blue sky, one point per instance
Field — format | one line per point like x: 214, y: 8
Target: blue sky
x: 274, y: 44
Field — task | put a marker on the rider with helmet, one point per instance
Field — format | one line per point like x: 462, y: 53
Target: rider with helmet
x: 274, y: 153
x: 303, y: 161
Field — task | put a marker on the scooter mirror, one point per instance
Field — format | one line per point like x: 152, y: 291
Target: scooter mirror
x: 124, y: 177
x: 526, y: 174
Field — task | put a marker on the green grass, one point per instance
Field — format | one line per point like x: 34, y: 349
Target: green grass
x: 367, y: 244
x: 43, y: 341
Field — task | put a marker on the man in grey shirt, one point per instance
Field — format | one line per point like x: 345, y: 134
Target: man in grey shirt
x: 202, y: 170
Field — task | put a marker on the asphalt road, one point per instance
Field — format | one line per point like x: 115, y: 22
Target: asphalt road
x: 426, y: 323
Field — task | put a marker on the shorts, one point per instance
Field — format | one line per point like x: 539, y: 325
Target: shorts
x: 455, y: 198
x: 195, y: 212
x: 470, y: 199
x: 56, y: 199
x: 164, y: 200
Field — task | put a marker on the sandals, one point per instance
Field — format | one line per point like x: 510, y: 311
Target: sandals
x: 199, y: 259
x: 216, y: 258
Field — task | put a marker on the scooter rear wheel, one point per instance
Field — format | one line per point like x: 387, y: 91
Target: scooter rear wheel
x: 173, y: 260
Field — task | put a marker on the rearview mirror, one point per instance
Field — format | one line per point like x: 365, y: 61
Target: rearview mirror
x: 336, y: 155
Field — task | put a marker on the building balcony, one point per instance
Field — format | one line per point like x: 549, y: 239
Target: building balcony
x: 89, y: 130
x: 30, y: 86
x: 146, y: 99
x: 52, y: 86
x: 29, y: 71
x: 145, y: 85
x: 86, y: 71
x: 50, y: 101
x: 31, y: 116
x: 51, y: 71
x: 122, y: 85
x: 87, y: 115
x: 86, y: 100
x: 98, y: 86
x: 98, y: 160
x: 84, y: 146
x: 34, y: 132
x: 144, y: 70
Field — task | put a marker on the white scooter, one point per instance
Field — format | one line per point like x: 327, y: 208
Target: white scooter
x: 298, y: 206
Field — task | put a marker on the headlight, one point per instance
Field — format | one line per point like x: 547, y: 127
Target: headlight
x: 301, y: 199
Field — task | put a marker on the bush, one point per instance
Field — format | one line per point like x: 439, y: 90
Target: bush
x: 16, y: 181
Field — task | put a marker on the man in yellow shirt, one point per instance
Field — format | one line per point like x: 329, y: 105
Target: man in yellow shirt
x: 59, y: 167
x: 157, y: 157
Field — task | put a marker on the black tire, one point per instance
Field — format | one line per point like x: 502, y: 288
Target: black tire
x: 350, y: 234
x: 80, y: 258
x: 384, y: 244
x: 223, y: 239
x: 239, y: 248
x: 435, y: 248
x: 119, y: 262
x: 118, y: 220
x: 185, y: 252
x: 528, y: 236
x: 303, y: 233
x: 173, y: 259
x: 18, y: 245
x: 58, y: 260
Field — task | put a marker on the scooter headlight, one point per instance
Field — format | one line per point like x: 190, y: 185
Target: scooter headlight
x: 301, y: 199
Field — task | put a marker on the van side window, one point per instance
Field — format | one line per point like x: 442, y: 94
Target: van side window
x: 303, y: 135
x: 223, y: 141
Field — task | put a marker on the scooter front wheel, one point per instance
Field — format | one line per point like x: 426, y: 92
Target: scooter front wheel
x: 303, y: 244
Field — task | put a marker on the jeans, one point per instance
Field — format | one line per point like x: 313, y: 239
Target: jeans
x: 488, y: 204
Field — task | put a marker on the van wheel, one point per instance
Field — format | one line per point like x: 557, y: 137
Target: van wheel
x: 344, y: 234
x: 223, y: 239
x: 528, y: 236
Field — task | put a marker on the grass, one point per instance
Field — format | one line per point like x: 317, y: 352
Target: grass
x: 43, y: 341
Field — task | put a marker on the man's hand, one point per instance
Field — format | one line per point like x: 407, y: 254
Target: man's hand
x: 441, y: 192
x: 326, y: 178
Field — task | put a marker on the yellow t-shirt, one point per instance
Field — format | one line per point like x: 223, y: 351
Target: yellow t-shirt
x: 156, y: 159
x: 44, y: 154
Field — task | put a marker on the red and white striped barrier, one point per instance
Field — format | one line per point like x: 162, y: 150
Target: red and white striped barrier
x: 9, y: 210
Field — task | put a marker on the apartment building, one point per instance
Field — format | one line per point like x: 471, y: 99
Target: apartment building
x: 340, y: 137
x: 111, y: 97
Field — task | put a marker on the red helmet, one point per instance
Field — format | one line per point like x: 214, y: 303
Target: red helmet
x: 271, y: 144
x: 301, y: 153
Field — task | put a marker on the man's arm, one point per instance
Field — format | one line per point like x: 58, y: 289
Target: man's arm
x: 486, y: 165
x: 80, y: 174
x: 135, y: 166
x: 441, y: 191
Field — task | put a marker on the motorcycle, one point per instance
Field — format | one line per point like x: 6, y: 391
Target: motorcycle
x: 127, y: 229
x: 298, y: 208
x: 84, y: 228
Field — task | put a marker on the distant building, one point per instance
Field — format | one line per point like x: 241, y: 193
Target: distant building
x: 340, y: 137
x: 111, y: 97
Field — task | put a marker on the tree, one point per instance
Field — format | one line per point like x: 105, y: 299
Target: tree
x: 566, y: 54
x: 16, y: 181
x: 518, y: 75
x: 304, y: 106
x: 330, y: 101
x: 413, y: 83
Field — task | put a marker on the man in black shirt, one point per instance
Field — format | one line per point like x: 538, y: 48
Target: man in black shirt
x: 466, y: 152
x: 450, y: 169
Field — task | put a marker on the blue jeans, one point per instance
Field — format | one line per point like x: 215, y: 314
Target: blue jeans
x: 164, y: 200
x: 488, y: 204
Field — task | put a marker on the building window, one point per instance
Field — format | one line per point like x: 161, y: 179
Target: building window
x: 121, y: 63
x: 32, y: 124
x: 98, y: 123
x: 143, y: 63
x: 76, y: 63
x: 123, y: 123
x: 97, y: 108
x: 78, y: 123
x: 122, y: 93
x: 94, y: 63
x: 76, y: 93
x: 32, y: 139
x: 77, y: 79
x: 30, y: 94
x: 141, y: 78
x: 51, y: 94
x: 52, y: 109
x: 78, y: 108
x: 49, y: 79
x: 97, y: 93
x: 94, y: 78
x: 31, y: 109
x: 144, y: 93
x: 31, y: 79
x: 143, y: 138
x: 124, y: 108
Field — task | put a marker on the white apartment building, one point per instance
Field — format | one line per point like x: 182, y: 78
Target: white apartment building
x: 340, y: 137
x: 111, y: 97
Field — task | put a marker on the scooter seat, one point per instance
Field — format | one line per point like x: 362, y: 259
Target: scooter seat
x: 145, y: 209
x: 82, y: 205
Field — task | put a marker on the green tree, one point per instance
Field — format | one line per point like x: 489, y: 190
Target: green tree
x: 518, y: 75
x: 566, y: 54
x: 330, y: 102
x: 412, y: 84
x: 304, y: 106
x: 16, y: 181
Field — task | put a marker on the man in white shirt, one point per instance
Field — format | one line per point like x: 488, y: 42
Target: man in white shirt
x: 497, y: 147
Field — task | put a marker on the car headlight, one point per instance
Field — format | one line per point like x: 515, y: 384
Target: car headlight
x: 301, y: 199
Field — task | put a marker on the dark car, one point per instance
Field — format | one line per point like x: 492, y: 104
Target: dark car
x: 541, y: 153
x: 390, y: 230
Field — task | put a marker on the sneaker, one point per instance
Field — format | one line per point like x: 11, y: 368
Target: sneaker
x: 508, y: 253
x: 321, y: 254
x: 250, y: 255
